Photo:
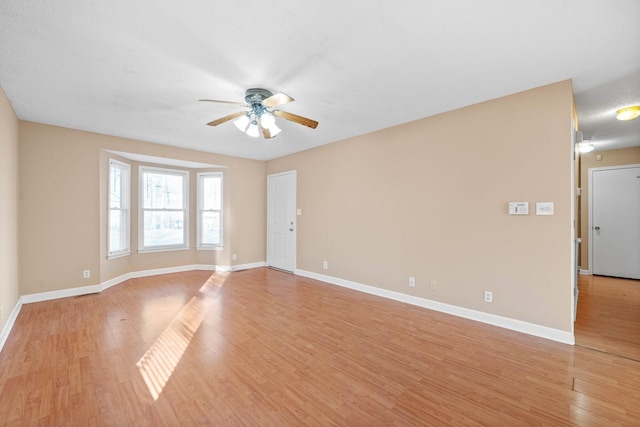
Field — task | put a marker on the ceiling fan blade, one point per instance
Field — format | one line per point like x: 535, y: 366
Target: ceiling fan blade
x: 276, y: 100
x: 295, y: 118
x: 242, y: 104
x: 265, y: 132
x: 226, y: 118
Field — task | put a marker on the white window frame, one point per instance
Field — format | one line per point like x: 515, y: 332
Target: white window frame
x: 209, y: 246
x: 141, y: 209
x: 125, y: 205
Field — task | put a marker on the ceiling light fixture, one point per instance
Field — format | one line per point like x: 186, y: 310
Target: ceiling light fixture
x: 261, y: 118
x: 585, y: 147
x: 257, y: 119
x: 252, y: 130
x: 628, y: 113
x: 242, y: 123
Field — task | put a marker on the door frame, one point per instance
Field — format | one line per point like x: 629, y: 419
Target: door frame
x: 590, y: 201
x: 294, y: 216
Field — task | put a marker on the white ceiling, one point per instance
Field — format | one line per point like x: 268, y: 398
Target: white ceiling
x: 136, y: 69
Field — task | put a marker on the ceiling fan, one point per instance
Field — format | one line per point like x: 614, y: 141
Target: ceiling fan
x: 261, y: 116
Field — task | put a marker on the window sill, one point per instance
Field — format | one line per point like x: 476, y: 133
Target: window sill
x: 119, y: 255
x: 210, y: 248
x: 163, y: 249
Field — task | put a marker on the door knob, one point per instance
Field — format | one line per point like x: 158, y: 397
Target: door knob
x: 291, y: 229
x: 597, y: 228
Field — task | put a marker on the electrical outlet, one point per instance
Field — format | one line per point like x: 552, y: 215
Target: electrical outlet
x: 86, y: 274
x: 325, y: 265
x: 488, y: 296
x: 412, y: 282
x: 433, y: 285
x: 234, y: 257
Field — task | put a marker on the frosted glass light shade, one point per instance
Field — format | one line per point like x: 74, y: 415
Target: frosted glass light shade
x: 252, y: 130
x: 242, y: 123
x: 585, y: 147
x: 274, y: 130
x: 628, y: 113
x: 267, y: 120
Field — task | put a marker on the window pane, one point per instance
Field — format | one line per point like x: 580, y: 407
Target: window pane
x: 115, y: 231
x: 162, y: 191
x: 118, y: 241
x: 211, y: 193
x: 211, y: 228
x: 115, y: 187
x: 163, y: 228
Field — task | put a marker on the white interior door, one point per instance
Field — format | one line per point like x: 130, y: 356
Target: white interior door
x: 615, y: 221
x: 281, y: 221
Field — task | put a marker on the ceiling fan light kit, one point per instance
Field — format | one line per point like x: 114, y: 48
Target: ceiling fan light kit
x: 628, y: 113
x: 261, y: 118
x: 586, y: 147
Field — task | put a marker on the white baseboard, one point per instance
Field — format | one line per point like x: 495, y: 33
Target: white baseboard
x: 62, y: 293
x: 93, y: 289
x: 166, y: 270
x: 154, y: 272
x: 586, y: 272
x: 492, y: 319
x: 479, y: 316
x: 10, y: 322
x: 241, y: 266
x: 115, y: 281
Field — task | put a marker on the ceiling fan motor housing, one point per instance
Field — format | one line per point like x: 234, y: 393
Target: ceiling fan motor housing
x: 256, y: 95
x: 254, y: 98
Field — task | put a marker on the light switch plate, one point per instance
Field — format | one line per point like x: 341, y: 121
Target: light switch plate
x: 518, y: 208
x: 544, y: 208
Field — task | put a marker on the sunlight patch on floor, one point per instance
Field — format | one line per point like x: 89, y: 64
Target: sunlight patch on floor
x: 158, y: 363
x: 214, y: 283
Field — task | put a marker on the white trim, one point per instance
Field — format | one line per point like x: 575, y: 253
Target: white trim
x: 479, y: 316
x: 10, y: 322
x: 239, y: 267
x: 119, y: 255
x: 164, y: 161
x: 154, y: 272
x: 586, y: 272
x: 125, y: 206
x: 115, y: 281
x: 503, y: 322
x: 167, y: 248
x: 62, y: 293
x: 94, y: 289
x: 575, y: 243
x: 165, y: 270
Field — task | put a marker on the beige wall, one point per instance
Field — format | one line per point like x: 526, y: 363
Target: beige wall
x: 63, y: 204
x: 425, y: 199
x: 429, y: 199
x: 627, y: 156
x: 9, y: 288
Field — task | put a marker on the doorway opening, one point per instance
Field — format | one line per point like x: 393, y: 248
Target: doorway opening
x: 608, y: 309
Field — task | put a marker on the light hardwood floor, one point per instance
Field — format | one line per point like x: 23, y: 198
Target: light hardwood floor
x: 608, y: 317
x: 261, y: 347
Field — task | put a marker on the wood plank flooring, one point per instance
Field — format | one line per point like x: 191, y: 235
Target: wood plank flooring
x: 265, y: 348
x: 608, y: 317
